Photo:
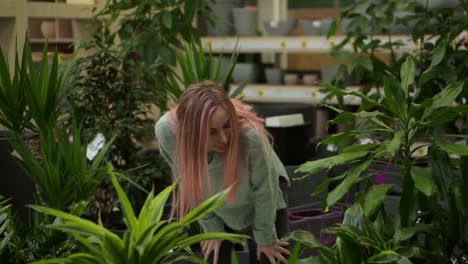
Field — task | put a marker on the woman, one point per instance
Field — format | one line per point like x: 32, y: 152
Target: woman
x: 212, y: 142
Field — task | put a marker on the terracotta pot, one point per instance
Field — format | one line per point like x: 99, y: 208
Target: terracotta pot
x: 48, y: 29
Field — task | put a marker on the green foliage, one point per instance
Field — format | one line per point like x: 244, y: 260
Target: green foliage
x: 150, y: 33
x: 440, y: 55
x: 198, y: 65
x: 33, y: 98
x: 399, y: 122
x: 64, y: 176
x: 359, y: 240
x: 148, y: 239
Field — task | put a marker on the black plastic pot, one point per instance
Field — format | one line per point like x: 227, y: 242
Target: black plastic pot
x: 291, y: 144
x: 15, y: 183
x: 300, y: 192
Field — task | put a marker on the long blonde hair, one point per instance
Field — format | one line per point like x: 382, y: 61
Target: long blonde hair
x: 192, y: 122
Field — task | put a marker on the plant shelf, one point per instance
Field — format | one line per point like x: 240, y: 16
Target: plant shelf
x: 293, y: 94
x: 290, y: 44
x: 59, y: 10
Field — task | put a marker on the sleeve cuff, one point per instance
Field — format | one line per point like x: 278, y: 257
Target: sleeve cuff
x: 265, y: 237
x: 212, y: 224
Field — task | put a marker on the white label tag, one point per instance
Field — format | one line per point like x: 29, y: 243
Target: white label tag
x: 95, y: 145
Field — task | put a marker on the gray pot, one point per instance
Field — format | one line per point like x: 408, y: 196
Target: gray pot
x: 310, y: 27
x: 222, y: 9
x: 279, y: 28
x: 245, y: 71
x: 245, y: 21
x: 274, y: 75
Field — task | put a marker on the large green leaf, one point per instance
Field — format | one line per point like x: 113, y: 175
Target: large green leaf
x: 311, y: 167
x: 390, y: 149
x: 443, y: 99
x: 438, y: 56
x: 405, y: 233
x: 129, y: 216
x: 442, y: 172
x: 458, y: 149
x: 373, y: 199
x: 388, y: 256
x: 344, y: 187
x: 394, y: 95
x: 407, y: 74
x: 309, y: 240
x: 423, y: 180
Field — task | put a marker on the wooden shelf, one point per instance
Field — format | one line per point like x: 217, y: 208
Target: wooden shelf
x: 59, y: 10
x: 289, y: 44
x: 37, y: 56
x: 292, y: 94
x: 51, y: 41
x: 8, y: 9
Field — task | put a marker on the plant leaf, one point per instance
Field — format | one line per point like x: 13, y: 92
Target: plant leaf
x: 423, y: 180
x: 327, y: 163
x: 407, y: 74
x: 373, y: 199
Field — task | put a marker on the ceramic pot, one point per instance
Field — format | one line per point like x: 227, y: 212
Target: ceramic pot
x: 48, y: 29
x: 291, y: 79
x: 274, y: 75
x: 245, y: 21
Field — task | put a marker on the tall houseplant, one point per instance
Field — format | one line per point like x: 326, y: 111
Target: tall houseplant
x: 61, y: 174
x: 197, y: 64
x: 148, y: 239
x: 428, y: 207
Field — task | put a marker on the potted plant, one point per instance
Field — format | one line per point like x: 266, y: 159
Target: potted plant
x: 398, y: 122
x: 148, y: 239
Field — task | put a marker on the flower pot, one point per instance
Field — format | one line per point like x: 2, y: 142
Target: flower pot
x: 310, y: 218
x: 222, y: 11
x: 310, y: 27
x: 291, y: 79
x: 244, y: 71
x: 274, y: 75
x: 48, y: 29
x: 245, y: 21
x: 15, y: 185
x: 279, y: 28
x: 299, y: 193
x: 309, y: 79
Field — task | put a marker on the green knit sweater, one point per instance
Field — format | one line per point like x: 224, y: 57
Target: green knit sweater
x: 258, y: 196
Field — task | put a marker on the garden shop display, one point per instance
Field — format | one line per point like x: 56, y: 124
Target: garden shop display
x: 431, y: 222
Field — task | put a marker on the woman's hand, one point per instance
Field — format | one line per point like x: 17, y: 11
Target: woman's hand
x: 209, y: 246
x: 274, y: 251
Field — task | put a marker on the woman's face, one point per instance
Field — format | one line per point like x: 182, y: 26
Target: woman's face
x: 220, y: 130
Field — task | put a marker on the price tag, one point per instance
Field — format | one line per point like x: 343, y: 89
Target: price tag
x: 283, y: 44
x: 95, y: 146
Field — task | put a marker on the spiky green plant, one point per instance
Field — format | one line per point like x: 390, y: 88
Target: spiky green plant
x: 148, y: 239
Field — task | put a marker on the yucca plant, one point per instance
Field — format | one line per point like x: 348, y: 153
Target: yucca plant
x: 45, y: 91
x: 198, y: 64
x: 12, y: 93
x: 65, y: 175
x: 148, y: 239
x: 32, y: 98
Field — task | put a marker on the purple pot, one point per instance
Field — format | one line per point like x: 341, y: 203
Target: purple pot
x: 313, y: 220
